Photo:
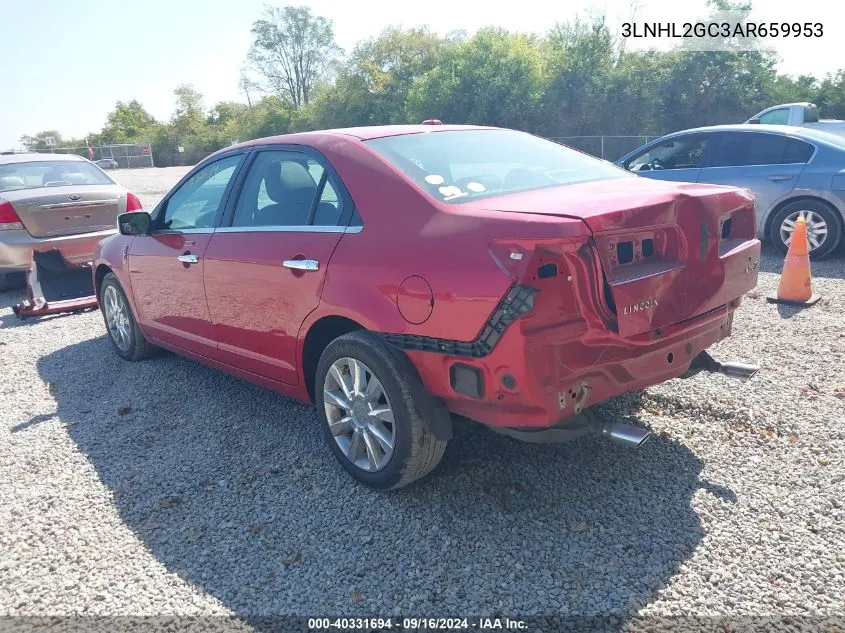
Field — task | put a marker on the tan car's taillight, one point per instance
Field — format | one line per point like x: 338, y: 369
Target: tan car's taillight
x: 9, y: 219
x: 133, y: 203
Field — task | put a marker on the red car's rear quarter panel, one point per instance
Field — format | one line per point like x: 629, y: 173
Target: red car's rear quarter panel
x: 405, y: 233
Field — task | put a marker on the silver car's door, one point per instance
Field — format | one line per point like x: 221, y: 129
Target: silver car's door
x: 767, y: 163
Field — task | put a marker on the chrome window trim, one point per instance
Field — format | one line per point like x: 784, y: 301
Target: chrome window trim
x: 289, y: 229
x: 202, y: 231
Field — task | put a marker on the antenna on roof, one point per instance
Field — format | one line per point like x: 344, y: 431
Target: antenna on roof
x: 432, y: 122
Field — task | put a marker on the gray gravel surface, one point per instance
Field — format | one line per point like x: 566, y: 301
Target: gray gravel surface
x: 149, y: 184
x: 164, y: 487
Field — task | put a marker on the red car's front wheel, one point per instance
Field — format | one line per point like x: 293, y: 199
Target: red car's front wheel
x: 370, y: 411
x: 125, y: 335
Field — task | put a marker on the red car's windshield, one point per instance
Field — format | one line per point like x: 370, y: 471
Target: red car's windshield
x: 456, y: 166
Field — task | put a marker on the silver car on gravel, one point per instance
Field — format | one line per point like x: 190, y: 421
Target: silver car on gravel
x: 792, y: 171
x: 52, y: 201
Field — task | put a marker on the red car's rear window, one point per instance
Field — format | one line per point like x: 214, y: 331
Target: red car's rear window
x: 460, y: 165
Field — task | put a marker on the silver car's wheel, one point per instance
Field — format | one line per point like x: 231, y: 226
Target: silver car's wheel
x: 817, y: 228
x: 117, y: 318
x: 359, y: 414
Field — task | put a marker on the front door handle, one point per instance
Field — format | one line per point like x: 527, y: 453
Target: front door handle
x: 779, y: 178
x: 188, y: 259
x: 302, y: 264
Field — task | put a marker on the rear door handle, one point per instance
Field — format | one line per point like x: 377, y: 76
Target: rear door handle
x: 779, y: 178
x: 302, y: 264
x: 188, y: 259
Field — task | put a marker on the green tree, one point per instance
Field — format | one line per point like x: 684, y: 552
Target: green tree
x: 372, y: 86
x: 493, y: 78
x: 226, y: 111
x: 189, y: 115
x: 37, y: 143
x: 292, y: 52
x: 129, y: 122
x: 710, y: 88
x: 831, y: 96
x: 578, y: 61
x: 269, y: 117
x: 189, y: 121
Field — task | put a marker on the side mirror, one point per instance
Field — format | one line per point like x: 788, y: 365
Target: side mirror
x: 134, y: 223
x: 755, y: 120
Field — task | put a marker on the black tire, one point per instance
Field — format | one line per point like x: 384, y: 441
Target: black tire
x: 8, y: 281
x: 138, y: 348
x: 416, y: 450
x: 831, y: 218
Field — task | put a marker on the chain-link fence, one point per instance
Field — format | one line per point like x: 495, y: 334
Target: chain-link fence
x: 124, y: 155
x: 607, y: 147
x: 127, y: 155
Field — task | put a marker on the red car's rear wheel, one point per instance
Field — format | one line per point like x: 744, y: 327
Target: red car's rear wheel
x: 370, y: 412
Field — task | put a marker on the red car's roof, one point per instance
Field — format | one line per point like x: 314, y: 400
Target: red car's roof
x: 363, y: 133
x: 380, y: 131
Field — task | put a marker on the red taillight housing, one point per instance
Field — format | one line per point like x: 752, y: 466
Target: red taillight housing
x: 554, y: 269
x: 9, y: 219
x: 133, y: 203
x: 513, y: 257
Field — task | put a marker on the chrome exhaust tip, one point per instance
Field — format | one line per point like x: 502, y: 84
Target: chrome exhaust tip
x: 741, y: 371
x: 705, y: 362
x: 626, y: 433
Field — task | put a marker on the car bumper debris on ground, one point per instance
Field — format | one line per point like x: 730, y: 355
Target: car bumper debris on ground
x: 166, y: 487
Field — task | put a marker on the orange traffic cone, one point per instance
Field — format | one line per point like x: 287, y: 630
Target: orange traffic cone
x: 795, y: 286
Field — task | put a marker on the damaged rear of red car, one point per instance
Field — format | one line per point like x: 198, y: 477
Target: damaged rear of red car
x: 640, y: 281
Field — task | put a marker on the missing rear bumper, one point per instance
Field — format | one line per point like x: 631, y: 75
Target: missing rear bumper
x: 55, y: 285
x: 576, y: 426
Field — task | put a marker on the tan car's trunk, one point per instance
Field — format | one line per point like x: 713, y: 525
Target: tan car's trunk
x: 67, y: 210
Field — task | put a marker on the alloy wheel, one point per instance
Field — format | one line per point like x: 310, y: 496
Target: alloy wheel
x: 359, y: 414
x: 117, y: 318
x: 816, y: 228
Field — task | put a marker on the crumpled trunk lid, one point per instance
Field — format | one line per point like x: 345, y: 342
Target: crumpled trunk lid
x: 668, y: 251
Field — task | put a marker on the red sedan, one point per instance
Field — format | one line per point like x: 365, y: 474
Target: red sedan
x: 396, y: 275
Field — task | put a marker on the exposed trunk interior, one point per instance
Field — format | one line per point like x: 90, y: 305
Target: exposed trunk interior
x: 60, y: 280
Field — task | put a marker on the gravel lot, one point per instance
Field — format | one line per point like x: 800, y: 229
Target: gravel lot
x: 149, y: 185
x: 165, y: 487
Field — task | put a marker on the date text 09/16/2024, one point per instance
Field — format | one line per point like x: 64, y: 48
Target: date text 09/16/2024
x: 416, y: 624
x: 722, y: 29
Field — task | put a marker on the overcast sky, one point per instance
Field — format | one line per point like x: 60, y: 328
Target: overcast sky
x: 66, y: 62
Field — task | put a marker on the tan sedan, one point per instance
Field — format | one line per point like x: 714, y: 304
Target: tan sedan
x: 54, y: 201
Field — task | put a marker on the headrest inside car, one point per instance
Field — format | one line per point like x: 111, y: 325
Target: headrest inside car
x: 282, y: 179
